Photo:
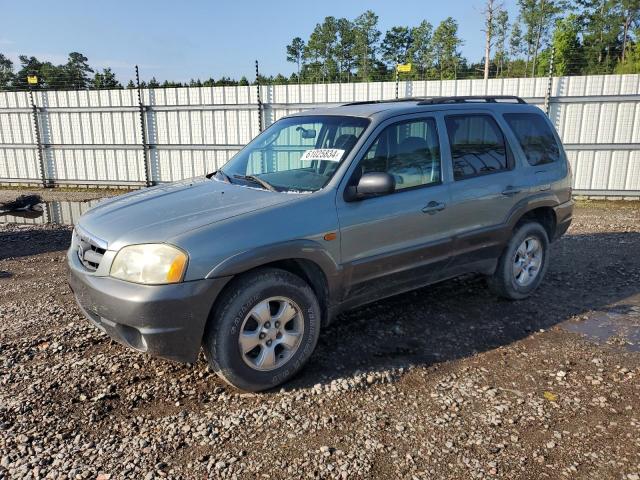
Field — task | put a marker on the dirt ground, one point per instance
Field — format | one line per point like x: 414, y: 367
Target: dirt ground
x: 444, y: 382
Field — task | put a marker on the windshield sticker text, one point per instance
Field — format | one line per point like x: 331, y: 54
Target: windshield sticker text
x: 330, y: 154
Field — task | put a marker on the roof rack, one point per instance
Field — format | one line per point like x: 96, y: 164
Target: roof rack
x: 393, y: 100
x: 441, y: 100
x: 472, y: 99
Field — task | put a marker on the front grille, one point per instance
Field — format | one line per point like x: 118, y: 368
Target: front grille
x: 90, y: 250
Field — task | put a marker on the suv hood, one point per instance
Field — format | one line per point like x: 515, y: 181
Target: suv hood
x: 159, y: 213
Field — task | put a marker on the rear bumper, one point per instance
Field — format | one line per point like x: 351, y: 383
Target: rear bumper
x: 163, y: 320
x: 564, y: 216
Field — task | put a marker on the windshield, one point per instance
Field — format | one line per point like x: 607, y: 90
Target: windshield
x: 295, y: 154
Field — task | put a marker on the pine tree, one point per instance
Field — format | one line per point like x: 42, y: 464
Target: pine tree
x: 6, y: 71
x: 345, y: 48
x: 105, y: 79
x: 295, y: 52
x: 445, y: 46
x: 601, y: 23
x: 321, y: 49
x: 77, y: 70
x: 630, y: 16
x: 421, y: 51
x: 367, y: 36
x: 501, y: 32
x: 396, y: 46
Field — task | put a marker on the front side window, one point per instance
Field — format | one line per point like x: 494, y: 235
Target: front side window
x: 535, y: 137
x: 296, y: 153
x: 477, y: 145
x: 409, y: 151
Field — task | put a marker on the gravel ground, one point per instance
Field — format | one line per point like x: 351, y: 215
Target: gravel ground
x: 444, y: 382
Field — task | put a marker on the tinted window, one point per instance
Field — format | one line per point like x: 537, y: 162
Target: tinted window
x: 535, y: 137
x: 477, y: 145
x: 407, y: 150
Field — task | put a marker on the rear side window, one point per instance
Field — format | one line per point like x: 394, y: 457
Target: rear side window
x: 477, y: 146
x: 535, y: 137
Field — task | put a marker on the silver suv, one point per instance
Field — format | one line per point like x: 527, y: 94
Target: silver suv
x: 326, y: 210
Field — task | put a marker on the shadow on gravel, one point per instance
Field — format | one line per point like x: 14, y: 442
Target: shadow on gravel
x: 460, y: 317
x: 450, y: 320
x: 26, y: 242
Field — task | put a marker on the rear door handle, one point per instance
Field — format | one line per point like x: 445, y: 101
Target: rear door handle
x: 434, y: 207
x: 509, y: 191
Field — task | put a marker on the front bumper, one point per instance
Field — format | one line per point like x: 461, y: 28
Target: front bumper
x: 163, y: 320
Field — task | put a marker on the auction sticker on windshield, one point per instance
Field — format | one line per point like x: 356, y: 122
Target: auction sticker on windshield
x: 330, y: 154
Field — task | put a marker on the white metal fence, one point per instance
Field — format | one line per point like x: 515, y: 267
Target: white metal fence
x: 96, y: 137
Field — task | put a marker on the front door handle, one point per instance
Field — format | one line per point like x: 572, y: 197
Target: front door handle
x: 434, y: 207
x: 511, y: 190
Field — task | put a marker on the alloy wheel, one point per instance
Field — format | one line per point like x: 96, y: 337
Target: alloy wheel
x: 527, y: 261
x: 271, y: 333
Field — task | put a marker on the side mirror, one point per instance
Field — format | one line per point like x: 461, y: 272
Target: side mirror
x: 371, y: 184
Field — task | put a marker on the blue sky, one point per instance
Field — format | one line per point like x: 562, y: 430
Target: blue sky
x: 182, y: 40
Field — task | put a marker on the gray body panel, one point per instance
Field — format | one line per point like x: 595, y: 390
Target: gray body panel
x: 157, y: 214
x: 384, y: 245
x: 163, y: 320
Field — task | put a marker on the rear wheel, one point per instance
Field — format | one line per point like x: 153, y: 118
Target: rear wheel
x: 523, y: 263
x: 264, y: 328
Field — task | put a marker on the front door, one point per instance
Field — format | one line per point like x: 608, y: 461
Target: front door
x: 398, y: 241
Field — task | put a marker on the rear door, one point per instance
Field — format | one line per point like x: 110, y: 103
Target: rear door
x: 486, y: 184
x: 397, y: 241
x: 545, y: 167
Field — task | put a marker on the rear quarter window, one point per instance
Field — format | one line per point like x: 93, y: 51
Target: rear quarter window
x: 535, y: 137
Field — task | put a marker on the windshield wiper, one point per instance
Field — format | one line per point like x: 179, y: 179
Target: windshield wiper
x: 251, y: 178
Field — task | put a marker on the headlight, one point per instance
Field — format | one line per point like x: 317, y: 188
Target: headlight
x: 150, y: 264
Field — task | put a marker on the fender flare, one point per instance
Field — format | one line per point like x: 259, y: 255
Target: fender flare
x: 289, y: 250
x: 528, y: 204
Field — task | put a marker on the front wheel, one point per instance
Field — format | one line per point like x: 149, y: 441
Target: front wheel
x: 523, y: 263
x: 263, y: 330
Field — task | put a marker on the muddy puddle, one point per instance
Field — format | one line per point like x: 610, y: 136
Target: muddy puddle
x: 56, y: 212
x: 619, y: 326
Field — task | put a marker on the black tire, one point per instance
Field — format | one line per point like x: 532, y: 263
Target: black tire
x: 503, y: 281
x: 242, y: 295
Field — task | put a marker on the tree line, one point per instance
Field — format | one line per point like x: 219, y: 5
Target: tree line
x: 583, y: 36
x: 77, y: 74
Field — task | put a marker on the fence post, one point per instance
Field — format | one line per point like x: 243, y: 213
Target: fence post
x: 547, y: 97
x: 143, y: 128
x: 36, y: 126
x: 259, y: 99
